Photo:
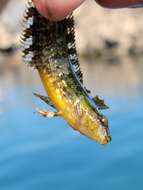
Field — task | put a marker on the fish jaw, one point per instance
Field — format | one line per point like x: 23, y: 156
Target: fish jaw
x: 92, y: 127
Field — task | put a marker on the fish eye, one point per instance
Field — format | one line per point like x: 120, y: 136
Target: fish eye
x: 105, y: 121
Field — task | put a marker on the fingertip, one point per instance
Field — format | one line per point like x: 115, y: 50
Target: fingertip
x: 40, y: 5
x: 56, y: 10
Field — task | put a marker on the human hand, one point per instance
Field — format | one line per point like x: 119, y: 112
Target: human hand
x: 56, y: 9
x: 59, y: 9
x: 120, y: 3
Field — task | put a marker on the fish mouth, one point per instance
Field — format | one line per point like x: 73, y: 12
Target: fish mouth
x: 106, y: 140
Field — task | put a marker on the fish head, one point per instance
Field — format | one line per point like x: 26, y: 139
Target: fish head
x: 95, y: 126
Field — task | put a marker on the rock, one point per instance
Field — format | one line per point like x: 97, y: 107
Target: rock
x: 11, y: 26
x: 5, y: 38
x: 98, y: 29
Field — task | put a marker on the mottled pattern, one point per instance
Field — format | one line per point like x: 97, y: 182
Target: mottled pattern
x: 50, y: 48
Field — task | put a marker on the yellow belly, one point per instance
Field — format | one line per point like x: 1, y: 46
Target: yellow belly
x: 60, y: 102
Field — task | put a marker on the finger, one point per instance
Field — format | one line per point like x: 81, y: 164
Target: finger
x: 118, y: 3
x: 56, y: 9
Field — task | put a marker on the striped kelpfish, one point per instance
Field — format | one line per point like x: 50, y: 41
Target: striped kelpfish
x: 50, y: 48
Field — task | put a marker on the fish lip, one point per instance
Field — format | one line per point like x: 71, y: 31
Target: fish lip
x: 106, y: 140
x: 109, y: 138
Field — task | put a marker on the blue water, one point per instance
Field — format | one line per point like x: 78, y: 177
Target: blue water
x: 41, y: 154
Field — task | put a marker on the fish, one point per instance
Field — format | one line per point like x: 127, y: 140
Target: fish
x: 50, y: 48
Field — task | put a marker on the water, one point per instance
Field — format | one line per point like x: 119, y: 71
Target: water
x: 42, y: 154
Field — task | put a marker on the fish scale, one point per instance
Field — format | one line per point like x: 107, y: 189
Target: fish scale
x: 50, y: 48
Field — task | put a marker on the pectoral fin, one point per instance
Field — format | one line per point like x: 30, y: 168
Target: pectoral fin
x: 46, y: 99
x: 100, y: 103
x: 48, y: 113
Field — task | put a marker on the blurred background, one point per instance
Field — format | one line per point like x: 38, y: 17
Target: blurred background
x: 42, y: 154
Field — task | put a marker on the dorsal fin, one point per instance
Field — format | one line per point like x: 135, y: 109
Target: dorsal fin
x: 26, y: 37
x: 88, y: 91
x: 70, y: 38
x: 27, y: 40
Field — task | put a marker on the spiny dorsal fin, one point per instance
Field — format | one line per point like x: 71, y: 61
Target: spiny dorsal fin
x: 100, y: 103
x: 88, y: 91
x: 70, y: 38
x: 45, y: 99
x: 26, y: 37
x: 28, y: 40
